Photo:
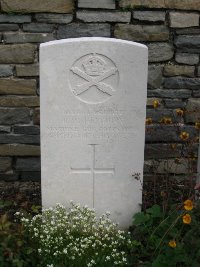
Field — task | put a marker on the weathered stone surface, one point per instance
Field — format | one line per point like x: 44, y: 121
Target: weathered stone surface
x: 27, y: 130
x: 36, y: 116
x: 8, y: 178
x: 162, y: 151
x: 107, y: 4
x: 21, y: 53
x: 151, y: 16
x: 17, y: 87
x: 196, y: 93
x: 142, y: 32
x: 154, y: 76
x: 171, y: 93
x: 182, y: 83
x: 38, y: 27
x: 54, y: 18
x: 188, y: 59
x: 188, y: 43
x: 100, y: 16
x: 19, y: 139
x: 27, y: 70
x: 198, y: 71
x: 28, y: 164
x: 6, y: 70
x: 31, y: 190
x: 179, y: 70
x: 5, y: 129
x: 174, y: 103
x: 160, y: 113
x: 83, y: 30
x: 175, y: 166
x: 192, y: 113
x: 9, y: 27
x: 174, y: 169
x: 29, y: 6
x: 11, y: 18
x: 28, y: 37
x: 30, y: 176
x: 19, y: 101
x: 5, y: 164
x: 10, y: 116
x: 178, y: 180
x: 168, y: 133
x: 160, y: 52
x: 172, y: 4
x: 189, y: 31
x: 19, y: 150
x: 183, y: 20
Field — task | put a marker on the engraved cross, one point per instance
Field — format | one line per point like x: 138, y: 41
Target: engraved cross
x: 93, y: 170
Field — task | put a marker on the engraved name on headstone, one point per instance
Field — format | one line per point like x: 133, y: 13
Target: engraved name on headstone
x: 93, y: 107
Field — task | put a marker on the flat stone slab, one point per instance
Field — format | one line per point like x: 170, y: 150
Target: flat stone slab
x: 93, y: 99
x: 107, y: 4
x: 29, y: 6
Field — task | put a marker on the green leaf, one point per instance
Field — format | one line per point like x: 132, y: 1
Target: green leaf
x: 35, y: 208
x: 5, y: 203
x: 154, y: 211
x: 161, y: 261
x: 140, y: 218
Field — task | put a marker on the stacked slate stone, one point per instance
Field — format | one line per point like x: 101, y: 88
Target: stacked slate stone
x: 169, y: 28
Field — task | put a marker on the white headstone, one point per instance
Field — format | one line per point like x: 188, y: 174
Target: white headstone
x: 93, y: 107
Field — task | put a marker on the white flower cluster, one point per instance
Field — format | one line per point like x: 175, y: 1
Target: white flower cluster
x: 75, y: 237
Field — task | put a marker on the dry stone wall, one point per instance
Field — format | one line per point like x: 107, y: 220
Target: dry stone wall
x: 170, y: 29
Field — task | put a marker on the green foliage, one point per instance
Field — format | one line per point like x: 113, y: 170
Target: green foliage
x: 14, y: 248
x: 165, y: 240
x: 161, y: 236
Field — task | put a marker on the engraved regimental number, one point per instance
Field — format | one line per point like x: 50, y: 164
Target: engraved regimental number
x: 94, y: 78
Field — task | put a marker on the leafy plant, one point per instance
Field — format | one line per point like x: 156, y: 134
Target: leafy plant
x: 75, y: 238
x: 168, y: 238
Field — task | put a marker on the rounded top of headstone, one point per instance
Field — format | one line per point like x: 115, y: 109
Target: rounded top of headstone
x: 93, y: 39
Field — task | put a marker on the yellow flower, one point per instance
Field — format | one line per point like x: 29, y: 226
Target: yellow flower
x: 197, y: 125
x: 188, y: 204
x: 179, y: 112
x: 172, y: 243
x: 149, y: 121
x: 166, y: 120
x: 187, y: 218
x: 156, y: 103
x: 184, y: 136
x: 173, y: 146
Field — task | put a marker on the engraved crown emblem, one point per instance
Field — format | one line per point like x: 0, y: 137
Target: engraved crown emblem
x: 94, y: 66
